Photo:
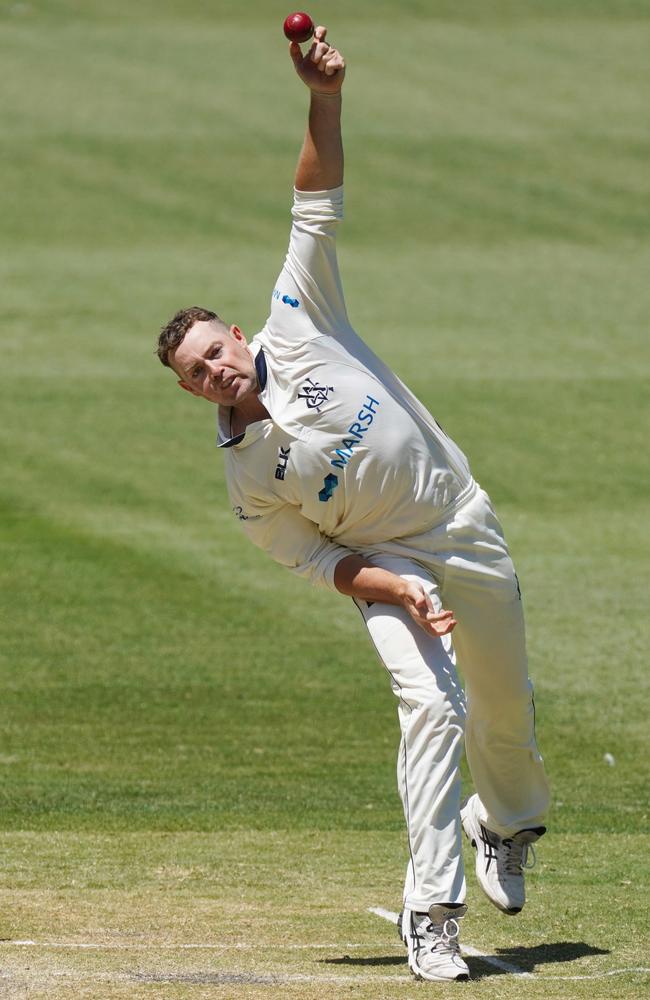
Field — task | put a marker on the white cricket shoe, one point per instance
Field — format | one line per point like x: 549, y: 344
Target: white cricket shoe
x: 500, y: 861
x: 432, y: 942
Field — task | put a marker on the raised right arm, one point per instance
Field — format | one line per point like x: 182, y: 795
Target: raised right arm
x: 322, y: 69
x: 308, y: 298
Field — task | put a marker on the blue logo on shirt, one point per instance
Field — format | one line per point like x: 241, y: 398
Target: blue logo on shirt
x: 329, y: 485
x: 286, y: 299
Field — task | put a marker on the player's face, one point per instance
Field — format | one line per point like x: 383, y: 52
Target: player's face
x: 216, y: 364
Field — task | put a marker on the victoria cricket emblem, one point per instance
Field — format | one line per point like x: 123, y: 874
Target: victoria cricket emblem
x: 314, y: 394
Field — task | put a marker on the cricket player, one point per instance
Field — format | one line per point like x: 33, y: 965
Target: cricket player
x: 337, y: 471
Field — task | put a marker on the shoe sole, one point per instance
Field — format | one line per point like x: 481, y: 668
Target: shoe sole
x: 422, y: 977
x: 510, y: 911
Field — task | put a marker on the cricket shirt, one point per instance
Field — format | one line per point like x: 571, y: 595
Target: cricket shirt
x: 349, y: 458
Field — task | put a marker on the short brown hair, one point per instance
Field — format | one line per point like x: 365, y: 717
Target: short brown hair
x: 174, y: 332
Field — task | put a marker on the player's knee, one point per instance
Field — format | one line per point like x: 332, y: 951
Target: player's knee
x: 507, y: 720
x: 439, y: 715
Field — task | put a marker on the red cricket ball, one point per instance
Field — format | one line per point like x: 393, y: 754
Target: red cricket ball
x: 298, y: 27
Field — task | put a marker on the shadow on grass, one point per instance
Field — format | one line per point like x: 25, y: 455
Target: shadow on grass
x: 527, y: 959
x: 376, y: 960
x: 521, y: 958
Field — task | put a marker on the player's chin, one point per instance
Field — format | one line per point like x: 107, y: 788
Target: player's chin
x: 239, y: 388
x: 227, y: 394
x: 237, y: 391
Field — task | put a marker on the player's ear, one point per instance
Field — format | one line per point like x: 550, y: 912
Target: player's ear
x: 238, y: 335
x: 188, y: 388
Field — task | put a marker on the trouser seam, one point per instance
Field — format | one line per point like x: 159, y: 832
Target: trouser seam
x: 402, y: 739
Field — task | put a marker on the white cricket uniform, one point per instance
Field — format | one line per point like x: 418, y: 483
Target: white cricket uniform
x: 350, y: 461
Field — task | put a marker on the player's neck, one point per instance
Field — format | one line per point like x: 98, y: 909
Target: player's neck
x: 247, y: 412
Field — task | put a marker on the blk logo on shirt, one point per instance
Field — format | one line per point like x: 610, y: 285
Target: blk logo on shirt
x: 283, y: 461
x: 314, y: 394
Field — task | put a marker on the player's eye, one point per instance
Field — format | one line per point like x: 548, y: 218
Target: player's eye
x: 197, y: 371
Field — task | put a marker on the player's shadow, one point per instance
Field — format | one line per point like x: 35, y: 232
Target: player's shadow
x: 526, y: 959
x: 375, y: 960
x: 520, y: 958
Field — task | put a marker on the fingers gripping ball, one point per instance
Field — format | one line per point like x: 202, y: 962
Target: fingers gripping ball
x: 298, y: 27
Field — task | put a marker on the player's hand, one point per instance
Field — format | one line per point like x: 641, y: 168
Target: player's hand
x: 420, y: 607
x: 322, y: 68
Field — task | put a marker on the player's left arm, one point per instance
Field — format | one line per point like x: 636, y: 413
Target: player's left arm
x: 359, y: 578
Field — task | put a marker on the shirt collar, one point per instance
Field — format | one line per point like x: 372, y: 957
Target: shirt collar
x: 224, y: 415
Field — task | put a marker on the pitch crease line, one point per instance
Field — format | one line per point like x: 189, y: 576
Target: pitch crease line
x: 466, y: 948
x: 140, y: 946
x: 600, y: 975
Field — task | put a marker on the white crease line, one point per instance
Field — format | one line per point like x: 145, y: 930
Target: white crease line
x: 212, y: 946
x: 497, y: 962
x: 238, y: 946
x: 211, y: 979
x: 600, y: 975
x: 251, y: 979
x: 466, y: 948
x: 386, y: 914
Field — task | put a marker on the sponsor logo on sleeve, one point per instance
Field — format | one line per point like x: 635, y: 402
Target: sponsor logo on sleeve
x: 287, y: 300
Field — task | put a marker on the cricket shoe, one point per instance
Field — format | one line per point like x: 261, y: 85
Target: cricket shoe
x: 401, y: 927
x: 500, y: 861
x: 432, y: 942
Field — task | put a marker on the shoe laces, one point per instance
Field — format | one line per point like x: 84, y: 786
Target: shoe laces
x: 516, y: 859
x: 447, y: 933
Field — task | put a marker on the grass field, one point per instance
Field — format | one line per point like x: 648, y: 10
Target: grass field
x: 197, y: 751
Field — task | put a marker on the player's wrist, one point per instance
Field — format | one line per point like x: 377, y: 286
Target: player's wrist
x: 325, y: 94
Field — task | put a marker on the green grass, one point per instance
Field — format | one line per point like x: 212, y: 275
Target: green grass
x: 169, y: 914
x: 194, y: 746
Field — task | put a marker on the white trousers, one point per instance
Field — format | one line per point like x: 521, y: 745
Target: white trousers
x: 465, y: 567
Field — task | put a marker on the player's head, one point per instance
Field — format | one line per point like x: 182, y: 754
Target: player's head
x: 211, y: 359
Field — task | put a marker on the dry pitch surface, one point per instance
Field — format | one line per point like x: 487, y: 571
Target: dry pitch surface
x: 287, y: 915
